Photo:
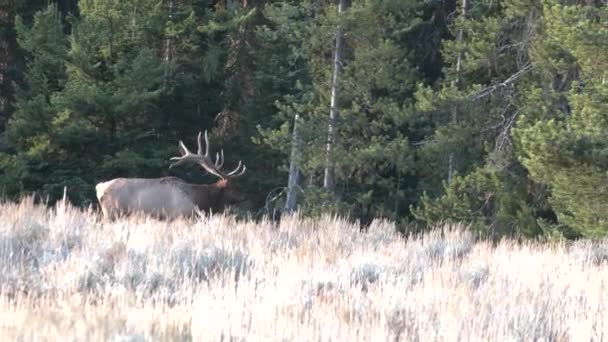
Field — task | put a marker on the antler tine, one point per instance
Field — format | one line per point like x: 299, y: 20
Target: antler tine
x: 232, y: 175
x: 212, y: 170
x: 206, y: 144
x: 235, y: 170
x: 219, y: 159
x: 186, y: 154
x: 204, y: 160
x: 200, y: 143
x: 182, y: 147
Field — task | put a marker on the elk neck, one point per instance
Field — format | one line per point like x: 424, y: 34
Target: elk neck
x: 209, y: 196
x: 221, y: 185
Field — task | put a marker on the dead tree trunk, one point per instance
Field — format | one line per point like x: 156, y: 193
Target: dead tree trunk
x: 329, y: 181
x: 168, y: 43
x: 294, y: 173
x: 456, y: 82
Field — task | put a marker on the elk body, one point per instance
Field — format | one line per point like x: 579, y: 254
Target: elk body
x: 171, y: 197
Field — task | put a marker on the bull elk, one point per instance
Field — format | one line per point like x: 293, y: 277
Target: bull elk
x: 171, y: 197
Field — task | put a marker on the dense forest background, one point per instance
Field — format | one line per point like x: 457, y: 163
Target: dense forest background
x: 492, y: 113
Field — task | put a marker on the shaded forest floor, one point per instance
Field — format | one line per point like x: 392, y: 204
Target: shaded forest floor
x: 66, y: 274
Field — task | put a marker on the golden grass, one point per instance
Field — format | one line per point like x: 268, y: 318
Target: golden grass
x: 65, y: 274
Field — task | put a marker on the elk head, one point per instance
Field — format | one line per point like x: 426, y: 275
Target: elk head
x: 227, y: 193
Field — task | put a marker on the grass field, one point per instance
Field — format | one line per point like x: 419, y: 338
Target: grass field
x: 67, y: 275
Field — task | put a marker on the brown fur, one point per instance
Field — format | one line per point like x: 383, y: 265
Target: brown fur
x: 167, y: 197
x: 212, y: 197
x: 171, y: 196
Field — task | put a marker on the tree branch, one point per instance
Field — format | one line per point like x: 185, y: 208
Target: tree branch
x: 489, y: 90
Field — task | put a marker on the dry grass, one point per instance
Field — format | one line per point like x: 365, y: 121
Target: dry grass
x: 67, y: 275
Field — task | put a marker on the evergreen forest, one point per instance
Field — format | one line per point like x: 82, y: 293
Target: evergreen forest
x: 490, y: 113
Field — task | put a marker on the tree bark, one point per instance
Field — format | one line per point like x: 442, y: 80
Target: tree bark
x: 329, y: 181
x: 168, y: 41
x: 294, y: 173
x: 456, y: 82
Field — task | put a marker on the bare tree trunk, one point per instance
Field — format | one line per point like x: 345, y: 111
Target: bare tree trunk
x: 292, y: 184
x: 456, y: 82
x: 329, y: 180
x: 168, y: 42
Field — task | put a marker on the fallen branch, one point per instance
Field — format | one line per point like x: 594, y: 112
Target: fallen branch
x: 489, y: 90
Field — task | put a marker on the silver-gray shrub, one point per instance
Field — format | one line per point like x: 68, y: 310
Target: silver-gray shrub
x: 590, y: 252
x: 201, y: 264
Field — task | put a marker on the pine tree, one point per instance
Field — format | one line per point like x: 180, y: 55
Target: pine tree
x: 489, y: 65
x: 563, y: 133
x: 11, y: 58
x: 372, y: 153
x: 27, y: 131
x: 7, y: 46
x: 113, y: 97
x: 88, y: 101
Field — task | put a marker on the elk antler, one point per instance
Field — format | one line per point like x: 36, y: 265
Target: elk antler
x: 204, y: 160
x: 233, y: 174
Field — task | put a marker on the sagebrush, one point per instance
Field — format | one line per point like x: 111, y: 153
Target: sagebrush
x: 66, y: 274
